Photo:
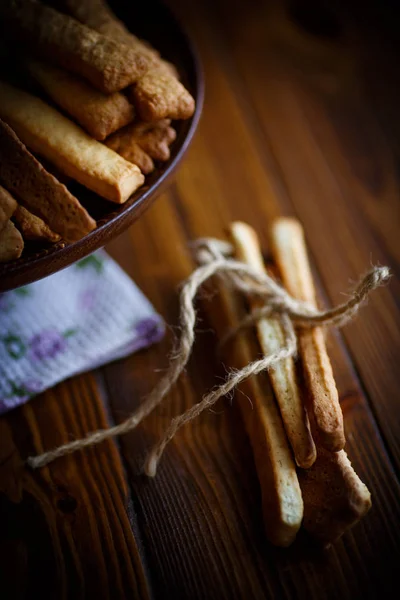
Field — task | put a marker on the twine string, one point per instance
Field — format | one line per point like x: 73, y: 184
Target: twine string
x: 215, y: 259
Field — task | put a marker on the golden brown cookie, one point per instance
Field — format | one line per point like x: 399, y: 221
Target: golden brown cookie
x: 11, y: 243
x: 282, y: 502
x: 49, y: 133
x: 98, y: 113
x: 33, y: 227
x: 8, y: 206
x: 142, y: 142
x: 334, y: 496
x: 158, y: 94
x: 110, y: 66
x: 283, y: 374
x: 290, y: 254
x: 40, y: 191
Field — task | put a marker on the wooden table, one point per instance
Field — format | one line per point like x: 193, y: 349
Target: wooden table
x: 300, y: 117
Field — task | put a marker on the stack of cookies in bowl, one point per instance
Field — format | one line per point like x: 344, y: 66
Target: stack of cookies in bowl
x: 86, y: 101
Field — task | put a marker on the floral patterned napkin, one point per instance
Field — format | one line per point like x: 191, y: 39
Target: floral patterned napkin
x: 75, y: 320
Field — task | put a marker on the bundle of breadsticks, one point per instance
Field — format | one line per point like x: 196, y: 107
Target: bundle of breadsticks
x: 295, y: 424
x: 90, y: 98
x: 294, y: 419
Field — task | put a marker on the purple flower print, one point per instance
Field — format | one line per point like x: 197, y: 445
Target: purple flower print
x: 87, y: 299
x: 47, y: 344
x: 32, y: 386
x: 150, y: 330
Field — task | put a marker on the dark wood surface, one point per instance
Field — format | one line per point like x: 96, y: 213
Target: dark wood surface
x: 300, y: 117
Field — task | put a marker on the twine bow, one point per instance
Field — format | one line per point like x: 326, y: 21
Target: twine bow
x: 215, y: 259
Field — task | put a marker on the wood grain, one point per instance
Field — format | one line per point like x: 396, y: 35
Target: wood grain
x: 320, y: 190
x: 290, y: 126
x: 69, y: 521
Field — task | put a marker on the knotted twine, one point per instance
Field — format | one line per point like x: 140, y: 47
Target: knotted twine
x: 215, y: 259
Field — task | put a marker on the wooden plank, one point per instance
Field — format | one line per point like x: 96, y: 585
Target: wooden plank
x: 65, y: 529
x: 205, y: 496
x: 201, y: 516
x: 339, y: 209
x: 197, y: 526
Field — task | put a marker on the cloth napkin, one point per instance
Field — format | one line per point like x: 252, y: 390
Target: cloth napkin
x: 75, y: 320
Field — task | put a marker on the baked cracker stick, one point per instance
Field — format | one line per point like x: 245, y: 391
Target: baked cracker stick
x: 8, y: 206
x: 157, y: 94
x: 107, y: 64
x: 125, y: 144
x: 33, y: 227
x: 47, y: 132
x: 140, y: 143
x: 156, y: 138
x: 98, y: 113
x: 271, y: 339
x: 290, y: 255
x: 334, y: 496
x: 11, y: 243
x: 97, y: 15
x: 281, y: 496
x: 40, y: 191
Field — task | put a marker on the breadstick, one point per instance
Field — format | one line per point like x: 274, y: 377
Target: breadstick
x: 47, y: 132
x: 8, y: 206
x: 283, y: 375
x: 107, y: 64
x: 157, y: 94
x: 99, y: 114
x: 97, y: 15
x: 33, y: 227
x: 156, y: 138
x: 40, y: 191
x: 281, y: 496
x: 11, y: 243
x: 125, y: 144
x: 140, y: 143
x: 334, y: 496
x: 290, y: 254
